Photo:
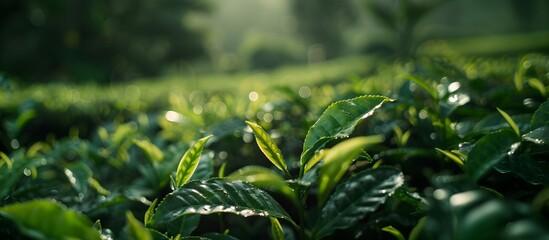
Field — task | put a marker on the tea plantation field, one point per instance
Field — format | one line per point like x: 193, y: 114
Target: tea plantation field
x: 358, y: 148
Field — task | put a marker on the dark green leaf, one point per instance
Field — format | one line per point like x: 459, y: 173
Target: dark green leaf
x: 526, y: 168
x: 360, y: 194
x: 541, y: 116
x: 218, y: 196
x: 79, y: 175
x: 478, y: 216
x: 489, y: 151
x: 538, y: 136
x: 339, y: 121
x: 411, y: 198
x: 44, y: 219
x: 494, y: 122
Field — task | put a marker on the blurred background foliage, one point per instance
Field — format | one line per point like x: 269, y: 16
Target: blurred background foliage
x: 96, y: 40
x: 112, y: 41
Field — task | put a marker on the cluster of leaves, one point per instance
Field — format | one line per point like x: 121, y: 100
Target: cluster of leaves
x: 454, y: 154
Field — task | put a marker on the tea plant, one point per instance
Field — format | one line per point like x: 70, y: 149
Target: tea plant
x: 459, y: 151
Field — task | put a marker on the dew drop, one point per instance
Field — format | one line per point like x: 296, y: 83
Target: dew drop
x: 253, y: 96
x: 27, y: 172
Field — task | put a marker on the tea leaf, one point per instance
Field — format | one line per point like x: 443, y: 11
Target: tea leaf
x: 541, y: 116
x: 418, y: 228
x: 360, y: 194
x: 526, y: 168
x: 509, y: 121
x: 538, y: 136
x: 268, y: 147
x: 276, y: 229
x: 337, y: 161
x: 150, y: 212
x: 45, y: 219
x: 489, y: 151
x: 538, y: 85
x: 393, y: 231
x: 218, y: 196
x: 452, y: 156
x: 263, y: 178
x: 339, y: 121
x: 135, y: 229
x: 189, y: 162
x: 152, y: 152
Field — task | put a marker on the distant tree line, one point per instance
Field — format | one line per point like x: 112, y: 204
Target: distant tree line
x: 101, y: 40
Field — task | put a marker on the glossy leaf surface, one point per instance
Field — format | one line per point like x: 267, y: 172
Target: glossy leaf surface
x: 337, y: 161
x: 268, y: 147
x: 218, y: 196
x: 189, y: 162
x: 360, y: 194
x: 339, y: 121
x: 263, y: 178
x: 489, y: 151
x: 537, y: 136
x: 525, y: 167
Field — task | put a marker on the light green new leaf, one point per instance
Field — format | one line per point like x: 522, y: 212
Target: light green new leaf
x: 315, y: 159
x: 509, y: 121
x: 268, y: 147
x: 489, y: 151
x: 339, y: 121
x: 337, y: 161
x: 354, y: 198
x: 150, y: 212
x: 276, y: 229
x: 45, y: 219
x: 452, y: 157
x: 416, y: 231
x: 393, y: 231
x: 538, y: 85
x: 153, y: 153
x: 189, y: 162
x: 263, y: 178
x: 5, y: 159
x: 136, y: 230
x: 218, y: 196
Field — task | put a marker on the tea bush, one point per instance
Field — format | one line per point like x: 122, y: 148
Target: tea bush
x: 450, y: 148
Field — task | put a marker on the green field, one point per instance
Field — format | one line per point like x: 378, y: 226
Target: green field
x: 431, y: 148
